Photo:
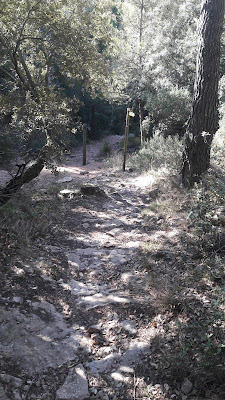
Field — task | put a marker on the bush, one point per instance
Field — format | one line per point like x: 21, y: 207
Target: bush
x: 159, y: 152
x: 208, y: 197
x: 218, y: 147
x: 105, y: 151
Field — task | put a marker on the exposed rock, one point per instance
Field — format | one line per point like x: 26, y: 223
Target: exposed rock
x: 65, y: 179
x: 219, y: 216
x: 68, y: 193
x: 102, y: 395
x: 102, y: 299
x: 103, y: 365
x: 2, y: 394
x: 92, y: 190
x: 186, y: 386
x: 84, y: 173
x: 129, y: 326
x: 75, y: 386
x: 129, y: 359
x: 34, y: 346
x: 15, y: 382
x: 94, y: 329
x: 16, y: 395
x: 128, y: 277
x: 17, y: 299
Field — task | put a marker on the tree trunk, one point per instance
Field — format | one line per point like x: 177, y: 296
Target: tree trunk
x: 140, y: 102
x: 92, y: 122
x: 141, y: 117
x: 203, y: 122
x: 23, y: 176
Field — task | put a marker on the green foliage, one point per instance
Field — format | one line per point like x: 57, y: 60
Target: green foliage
x: 105, y: 151
x: 218, y: 147
x: 209, y: 195
x: 9, y: 143
x: 46, y: 46
x: 159, y: 152
x: 159, y: 59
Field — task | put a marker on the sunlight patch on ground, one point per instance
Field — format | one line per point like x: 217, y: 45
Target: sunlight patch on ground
x: 143, y: 181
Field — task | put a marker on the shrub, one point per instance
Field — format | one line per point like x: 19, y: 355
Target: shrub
x: 159, y: 152
x: 105, y: 151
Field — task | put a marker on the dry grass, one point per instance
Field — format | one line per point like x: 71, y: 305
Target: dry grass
x: 185, y: 267
x: 26, y: 218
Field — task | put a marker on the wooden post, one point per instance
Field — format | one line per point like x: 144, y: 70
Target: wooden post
x: 126, y: 138
x: 84, y: 144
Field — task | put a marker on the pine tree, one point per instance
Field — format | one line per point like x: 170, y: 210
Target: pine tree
x: 204, y: 118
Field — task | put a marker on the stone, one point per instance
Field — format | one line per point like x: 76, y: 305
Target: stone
x: 65, y: 179
x: 15, y: 382
x: 84, y: 173
x: 17, y: 299
x: 33, y: 345
x: 94, y: 329
x: 2, y: 394
x: 75, y: 386
x: 103, y: 365
x: 86, y: 225
x: 166, y: 387
x: 68, y: 194
x: 102, y: 395
x: 186, y: 386
x: 16, y: 395
x: 129, y: 326
x: 92, y: 190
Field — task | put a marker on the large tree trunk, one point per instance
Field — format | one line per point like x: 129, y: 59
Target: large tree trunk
x: 204, y: 118
x: 24, y: 175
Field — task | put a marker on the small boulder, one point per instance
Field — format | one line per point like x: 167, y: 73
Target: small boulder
x: 75, y: 386
x: 65, y: 179
x: 92, y: 190
x: 2, y: 394
x: 186, y: 386
x: 68, y: 194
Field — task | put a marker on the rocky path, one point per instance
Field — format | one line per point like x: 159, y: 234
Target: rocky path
x: 78, y: 319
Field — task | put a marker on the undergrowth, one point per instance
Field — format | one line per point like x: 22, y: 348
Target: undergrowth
x: 26, y: 218
x: 159, y: 152
x: 189, y: 279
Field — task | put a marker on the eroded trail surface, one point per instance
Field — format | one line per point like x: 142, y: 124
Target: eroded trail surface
x: 77, y: 317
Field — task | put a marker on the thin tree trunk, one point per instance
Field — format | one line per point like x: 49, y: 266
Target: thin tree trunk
x: 204, y: 118
x: 141, y: 117
x: 92, y: 123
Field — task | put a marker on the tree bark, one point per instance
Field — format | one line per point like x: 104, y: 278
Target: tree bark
x: 23, y: 176
x: 140, y: 102
x: 92, y: 122
x: 204, y: 119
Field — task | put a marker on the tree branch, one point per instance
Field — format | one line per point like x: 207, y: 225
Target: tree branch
x: 28, y: 75
x: 24, y: 24
x: 7, y: 73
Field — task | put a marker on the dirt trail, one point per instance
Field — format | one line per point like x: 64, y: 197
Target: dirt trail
x: 78, y: 319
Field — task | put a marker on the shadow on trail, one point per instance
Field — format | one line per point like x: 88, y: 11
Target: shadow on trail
x: 96, y: 294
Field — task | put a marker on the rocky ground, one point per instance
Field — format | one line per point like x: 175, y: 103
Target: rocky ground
x: 91, y: 311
